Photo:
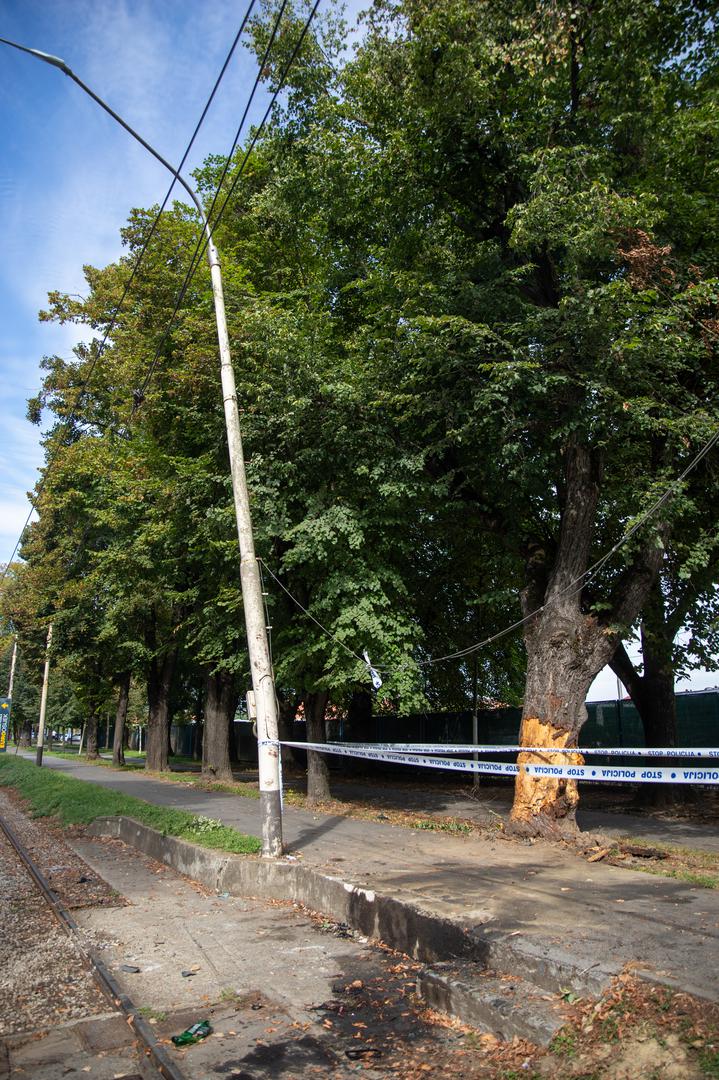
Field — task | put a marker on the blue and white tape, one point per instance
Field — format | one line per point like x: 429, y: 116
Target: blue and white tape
x: 642, y: 774
x: 609, y: 751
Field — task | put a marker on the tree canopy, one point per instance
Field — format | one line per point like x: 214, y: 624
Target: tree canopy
x: 471, y: 278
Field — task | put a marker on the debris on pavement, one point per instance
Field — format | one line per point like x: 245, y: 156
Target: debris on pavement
x: 193, y: 1034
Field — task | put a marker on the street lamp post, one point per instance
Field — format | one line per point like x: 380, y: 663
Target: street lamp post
x: 263, y: 682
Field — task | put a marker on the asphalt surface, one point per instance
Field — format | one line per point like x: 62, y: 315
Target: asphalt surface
x: 543, y: 895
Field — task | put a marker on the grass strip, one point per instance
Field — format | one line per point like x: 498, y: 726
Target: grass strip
x: 248, y: 791
x: 77, y: 802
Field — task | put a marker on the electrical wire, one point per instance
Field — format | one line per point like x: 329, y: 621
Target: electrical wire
x: 310, y: 615
x: 574, y: 586
x: 204, y: 239
x: 113, y: 321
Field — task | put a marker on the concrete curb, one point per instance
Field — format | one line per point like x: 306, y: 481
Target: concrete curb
x: 459, y: 982
x: 426, y: 937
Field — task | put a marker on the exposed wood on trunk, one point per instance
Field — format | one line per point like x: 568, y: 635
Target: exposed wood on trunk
x: 567, y: 646
x: 545, y: 806
x: 318, y: 775
x: 118, y: 743
x: 219, y: 707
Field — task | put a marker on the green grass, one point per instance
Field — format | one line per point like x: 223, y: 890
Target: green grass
x: 692, y: 877
x: 247, y: 791
x: 564, y: 1042
x: 76, y: 802
x: 709, y: 1063
x: 443, y: 826
x: 152, y: 1014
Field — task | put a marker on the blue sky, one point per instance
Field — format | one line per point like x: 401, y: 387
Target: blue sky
x: 69, y: 175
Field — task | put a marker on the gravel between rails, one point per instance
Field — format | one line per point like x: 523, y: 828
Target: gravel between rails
x: 43, y: 979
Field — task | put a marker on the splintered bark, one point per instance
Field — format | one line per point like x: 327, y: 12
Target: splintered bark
x: 567, y: 648
x: 118, y: 741
x: 159, y: 682
x: 318, y: 774
x: 219, y: 708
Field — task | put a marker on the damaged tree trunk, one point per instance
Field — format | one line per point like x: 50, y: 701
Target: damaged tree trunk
x: 318, y: 774
x: 118, y: 742
x: 567, y: 646
x: 219, y: 708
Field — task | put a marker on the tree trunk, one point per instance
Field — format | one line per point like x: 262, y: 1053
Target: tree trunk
x: 197, y: 727
x: 118, y: 742
x: 159, y: 682
x: 558, y: 679
x: 567, y: 648
x: 25, y: 739
x: 91, y: 734
x: 653, y: 695
x: 318, y: 774
x: 232, y: 733
x: 197, y: 739
x: 220, y: 705
x: 358, y: 728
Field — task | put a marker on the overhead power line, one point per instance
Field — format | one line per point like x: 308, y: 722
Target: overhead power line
x: 203, y: 239
x: 150, y: 233
x: 573, y: 587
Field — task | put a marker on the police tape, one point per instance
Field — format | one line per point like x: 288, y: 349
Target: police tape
x: 621, y: 774
x: 609, y: 751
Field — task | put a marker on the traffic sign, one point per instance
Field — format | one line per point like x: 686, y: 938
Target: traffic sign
x: 5, y: 704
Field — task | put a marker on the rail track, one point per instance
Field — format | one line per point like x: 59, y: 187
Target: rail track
x: 152, y: 1050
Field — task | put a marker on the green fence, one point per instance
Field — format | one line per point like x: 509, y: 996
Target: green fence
x: 609, y: 723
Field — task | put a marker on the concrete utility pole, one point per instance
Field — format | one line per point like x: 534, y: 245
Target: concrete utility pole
x: 11, y: 681
x: 43, y: 700
x: 263, y: 682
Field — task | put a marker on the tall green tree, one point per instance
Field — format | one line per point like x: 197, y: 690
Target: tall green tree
x: 509, y: 243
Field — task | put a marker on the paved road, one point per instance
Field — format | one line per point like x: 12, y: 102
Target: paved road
x: 547, y: 897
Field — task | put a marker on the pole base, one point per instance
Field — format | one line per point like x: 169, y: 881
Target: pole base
x: 271, y: 813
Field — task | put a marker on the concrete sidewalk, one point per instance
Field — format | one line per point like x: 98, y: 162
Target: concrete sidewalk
x: 563, y: 920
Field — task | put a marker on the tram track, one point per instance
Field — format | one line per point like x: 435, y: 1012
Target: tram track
x: 152, y: 1051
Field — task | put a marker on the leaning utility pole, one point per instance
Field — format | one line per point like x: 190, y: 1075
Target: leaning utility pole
x: 43, y: 700
x: 263, y: 680
x: 11, y: 682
